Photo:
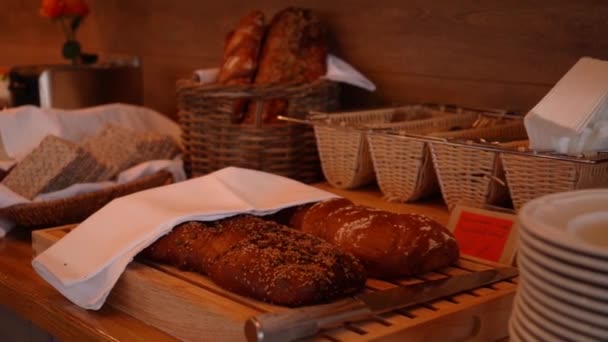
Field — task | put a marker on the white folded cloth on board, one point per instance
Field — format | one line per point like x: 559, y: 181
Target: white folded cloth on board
x: 337, y: 70
x: 572, y: 118
x: 86, y: 263
x: 8, y: 197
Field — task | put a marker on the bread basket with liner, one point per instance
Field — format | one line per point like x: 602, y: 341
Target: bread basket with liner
x: 76, y: 208
x: 531, y: 175
x: 342, y: 138
x: 212, y: 142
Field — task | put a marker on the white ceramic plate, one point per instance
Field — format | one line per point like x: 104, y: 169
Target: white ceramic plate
x: 528, y: 327
x: 544, y: 328
x: 566, y: 321
x: 513, y: 335
x: 531, y: 267
x: 514, y: 331
x: 576, y: 220
x: 597, y: 279
x: 559, y: 252
x: 545, y: 295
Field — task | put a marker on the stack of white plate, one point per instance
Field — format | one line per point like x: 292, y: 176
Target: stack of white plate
x: 563, y: 264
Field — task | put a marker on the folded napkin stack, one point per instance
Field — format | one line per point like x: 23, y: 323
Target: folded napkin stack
x: 86, y: 263
x: 573, y: 117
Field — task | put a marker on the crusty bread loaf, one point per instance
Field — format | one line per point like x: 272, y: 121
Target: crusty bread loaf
x: 388, y: 244
x: 261, y: 259
x: 294, y: 51
x: 241, y: 50
x: 240, y: 60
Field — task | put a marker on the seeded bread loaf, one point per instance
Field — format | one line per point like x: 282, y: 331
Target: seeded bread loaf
x: 261, y: 259
x: 388, y: 244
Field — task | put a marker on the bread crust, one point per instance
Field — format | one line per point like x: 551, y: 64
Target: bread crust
x: 388, y: 244
x: 261, y: 259
x: 240, y: 58
x: 294, y: 51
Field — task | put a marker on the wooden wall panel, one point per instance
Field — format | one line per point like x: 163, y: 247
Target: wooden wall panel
x: 490, y: 53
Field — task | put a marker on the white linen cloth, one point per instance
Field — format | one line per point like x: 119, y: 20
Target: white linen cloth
x: 337, y: 70
x: 86, y: 263
x: 8, y: 197
x: 572, y: 118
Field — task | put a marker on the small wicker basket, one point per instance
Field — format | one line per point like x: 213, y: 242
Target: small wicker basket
x: 531, y: 175
x: 211, y: 141
x: 403, y: 162
x: 471, y: 175
x: 342, y: 138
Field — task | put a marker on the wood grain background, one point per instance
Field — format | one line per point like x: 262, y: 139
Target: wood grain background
x: 491, y: 53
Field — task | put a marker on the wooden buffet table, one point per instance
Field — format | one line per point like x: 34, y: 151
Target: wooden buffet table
x: 26, y: 294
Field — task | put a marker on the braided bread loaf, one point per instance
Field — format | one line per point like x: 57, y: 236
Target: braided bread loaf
x: 261, y: 259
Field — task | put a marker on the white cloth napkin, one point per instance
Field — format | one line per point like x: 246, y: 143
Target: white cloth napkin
x: 74, y: 125
x: 86, y: 263
x: 8, y: 197
x: 573, y: 117
x: 337, y: 70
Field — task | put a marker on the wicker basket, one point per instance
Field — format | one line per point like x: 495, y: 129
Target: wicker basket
x: 342, y: 139
x: 533, y: 175
x: 404, y: 165
x: 77, y: 208
x: 470, y: 175
x: 212, y: 142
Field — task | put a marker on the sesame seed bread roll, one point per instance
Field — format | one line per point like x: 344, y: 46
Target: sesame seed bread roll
x: 388, y: 244
x: 261, y: 259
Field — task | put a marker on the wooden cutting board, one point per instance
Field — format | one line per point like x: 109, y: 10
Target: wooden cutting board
x: 191, y: 307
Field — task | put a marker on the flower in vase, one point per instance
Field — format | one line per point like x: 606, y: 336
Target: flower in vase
x: 70, y: 14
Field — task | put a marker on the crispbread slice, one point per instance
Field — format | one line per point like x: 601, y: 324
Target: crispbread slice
x: 119, y: 148
x: 54, y: 165
x: 115, y: 147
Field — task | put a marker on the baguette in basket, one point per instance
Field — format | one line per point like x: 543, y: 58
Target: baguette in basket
x: 294, y: 50
x: 240, y: 59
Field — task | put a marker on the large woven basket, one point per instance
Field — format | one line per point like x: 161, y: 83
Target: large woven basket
x: 403, y: 163
x: 472, y: 175
x: 77, y: 208
x: 211, y: 141
x: 342, y: 139
x: 533, y: 175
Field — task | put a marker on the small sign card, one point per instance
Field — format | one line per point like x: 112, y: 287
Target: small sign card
x: 484, y: 233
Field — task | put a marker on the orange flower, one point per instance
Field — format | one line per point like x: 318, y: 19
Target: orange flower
x: 58, y: 8
x: 52, y: 8
x: 75, y: 7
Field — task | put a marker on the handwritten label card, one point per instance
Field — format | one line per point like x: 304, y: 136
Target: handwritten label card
x: 485, y: 234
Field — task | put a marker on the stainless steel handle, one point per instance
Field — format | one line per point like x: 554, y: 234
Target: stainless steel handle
x: 300, y: 323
